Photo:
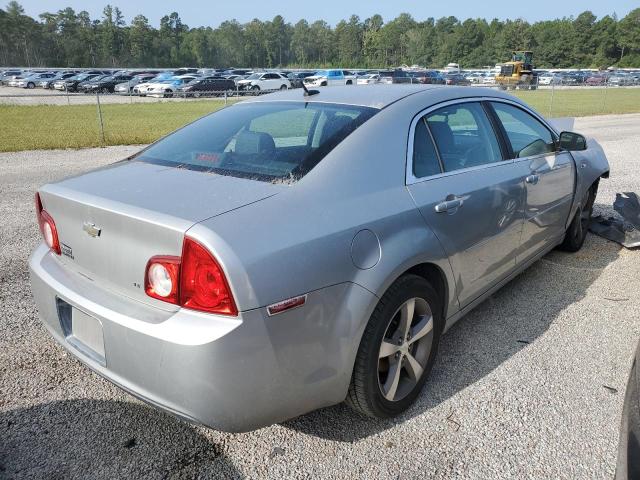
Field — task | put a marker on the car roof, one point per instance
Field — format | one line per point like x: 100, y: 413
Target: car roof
x: 375, y: 96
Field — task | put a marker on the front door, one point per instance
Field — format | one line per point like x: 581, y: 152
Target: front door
x: 549, y: 178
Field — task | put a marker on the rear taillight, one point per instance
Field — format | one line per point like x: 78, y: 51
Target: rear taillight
x: 203, y: 285
x: 195, y: 280
x: 47, y: 227
x: 161, y: 279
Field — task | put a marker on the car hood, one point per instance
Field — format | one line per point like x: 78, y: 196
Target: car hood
x: 315, y: 77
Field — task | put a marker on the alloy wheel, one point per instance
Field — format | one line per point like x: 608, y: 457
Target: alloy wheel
x: 405, y: 348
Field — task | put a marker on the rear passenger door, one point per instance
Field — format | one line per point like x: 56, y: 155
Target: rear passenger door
x: 469, y: 195
x: 549, y: 177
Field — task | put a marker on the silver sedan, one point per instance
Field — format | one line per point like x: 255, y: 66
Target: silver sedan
x: 305, y: 248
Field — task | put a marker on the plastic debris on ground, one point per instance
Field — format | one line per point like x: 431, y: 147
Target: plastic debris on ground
x: 625, y: 231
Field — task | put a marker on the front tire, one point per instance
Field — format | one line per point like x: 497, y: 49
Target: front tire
x: 577, y: 231
x: 397, y: 350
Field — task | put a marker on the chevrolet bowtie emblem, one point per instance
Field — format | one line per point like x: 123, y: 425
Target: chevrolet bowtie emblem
x: 91, y: 229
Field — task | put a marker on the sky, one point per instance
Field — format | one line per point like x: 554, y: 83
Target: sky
x: 212, y: 13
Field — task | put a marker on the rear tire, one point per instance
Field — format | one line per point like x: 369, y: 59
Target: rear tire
x: 577, y: 231
x: 392, y: 346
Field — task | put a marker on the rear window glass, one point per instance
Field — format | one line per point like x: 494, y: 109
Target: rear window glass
x: 271, y: 142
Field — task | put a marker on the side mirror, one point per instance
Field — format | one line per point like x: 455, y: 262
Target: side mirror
x: 572, y: 141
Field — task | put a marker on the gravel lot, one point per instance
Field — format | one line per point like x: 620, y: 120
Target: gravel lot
x: 529, y: 385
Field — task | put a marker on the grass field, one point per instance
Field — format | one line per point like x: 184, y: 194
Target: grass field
x: 62, y: 126
x: 582, y: 102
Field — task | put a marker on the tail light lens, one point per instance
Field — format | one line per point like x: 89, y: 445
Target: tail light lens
x: 47, y: 227
x: 161, y: 279
x: 203, y: 285
x: 195, y: 280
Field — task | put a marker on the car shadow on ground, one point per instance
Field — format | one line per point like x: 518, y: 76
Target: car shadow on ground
x: 506, y: 323
x: 76, y: 439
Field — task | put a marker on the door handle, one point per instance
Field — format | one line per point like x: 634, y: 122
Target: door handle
x: 449, y: 205
x: 532, y: 179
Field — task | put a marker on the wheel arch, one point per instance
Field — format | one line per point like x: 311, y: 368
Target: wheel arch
x: 435, y: 271
x: 433, y: 274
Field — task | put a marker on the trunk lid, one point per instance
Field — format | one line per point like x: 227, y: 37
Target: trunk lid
x: 111, y: 221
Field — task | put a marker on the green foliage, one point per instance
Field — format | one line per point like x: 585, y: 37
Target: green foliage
x: 67, y: 38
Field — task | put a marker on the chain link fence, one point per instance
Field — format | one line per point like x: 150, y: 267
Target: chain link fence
x: 48, y: 118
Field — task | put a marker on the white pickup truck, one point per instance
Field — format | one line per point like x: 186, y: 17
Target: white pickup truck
x: 323, y: 78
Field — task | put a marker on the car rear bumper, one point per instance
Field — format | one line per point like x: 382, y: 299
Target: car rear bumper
x: 232, y: 374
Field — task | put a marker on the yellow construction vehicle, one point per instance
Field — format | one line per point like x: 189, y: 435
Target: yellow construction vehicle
x: 518, y: 73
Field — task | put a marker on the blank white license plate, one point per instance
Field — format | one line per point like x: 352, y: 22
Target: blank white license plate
x: 88, y: 331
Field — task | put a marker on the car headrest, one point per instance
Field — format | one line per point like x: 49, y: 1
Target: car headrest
x: 254, y: 143
x: 443, y: 135
x: 334, y: 125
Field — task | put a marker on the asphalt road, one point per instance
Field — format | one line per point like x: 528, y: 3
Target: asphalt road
x: 529, y: 385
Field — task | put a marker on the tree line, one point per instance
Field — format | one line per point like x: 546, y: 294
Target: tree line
x: 73, y: 39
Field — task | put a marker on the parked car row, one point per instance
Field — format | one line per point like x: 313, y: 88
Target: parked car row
x: 193, y: 82
x: 589, y: 78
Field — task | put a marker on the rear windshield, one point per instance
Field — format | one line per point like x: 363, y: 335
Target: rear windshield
x: 270, y: 142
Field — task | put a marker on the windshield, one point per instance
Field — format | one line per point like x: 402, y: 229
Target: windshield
x: 271, y: 142
x: 320, y: 73
x: 254, y: 76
